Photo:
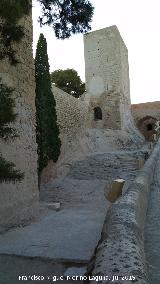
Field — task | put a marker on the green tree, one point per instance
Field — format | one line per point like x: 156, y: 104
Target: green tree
x: 47, y: 130
x: 7, y: 116
x: 67, y: 17
x: 69, y: 81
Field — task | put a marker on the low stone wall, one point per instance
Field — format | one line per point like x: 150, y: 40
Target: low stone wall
x: 120, y: 251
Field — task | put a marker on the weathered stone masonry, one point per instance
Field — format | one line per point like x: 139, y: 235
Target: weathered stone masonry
x: 107, y: 79
x: 18, y: 201
x: 107, y: 85
x: 145, y: 116
x: 72, y: 114
x: 107, y: 88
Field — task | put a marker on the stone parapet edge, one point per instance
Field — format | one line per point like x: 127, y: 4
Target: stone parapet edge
x: 120, y: 253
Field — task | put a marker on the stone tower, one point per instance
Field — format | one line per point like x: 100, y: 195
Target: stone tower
x: 19, y: 201
x: 107, y: 78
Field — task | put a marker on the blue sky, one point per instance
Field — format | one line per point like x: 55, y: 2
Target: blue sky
x: 139, y: 24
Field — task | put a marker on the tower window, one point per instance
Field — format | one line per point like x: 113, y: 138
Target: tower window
x: 149, y: 127
x: 97, y: 113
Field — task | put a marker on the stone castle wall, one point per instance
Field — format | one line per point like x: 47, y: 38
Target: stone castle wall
x: 72, y: 114
x: 142, y: 110
x: 124, y: 74
x: 102, y: 61
x: 109, y: 104
x: 145, y: 116
x: 103, y: 75
x: 107, y: 80
x: 107, y: 87
x: 72, y: 118
x: 19, y: 200
x: 107, y: 84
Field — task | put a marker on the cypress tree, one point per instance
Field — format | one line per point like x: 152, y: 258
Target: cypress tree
x: 47, y: 130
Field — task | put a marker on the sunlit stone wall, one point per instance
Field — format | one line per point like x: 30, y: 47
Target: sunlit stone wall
x: 18, y: 201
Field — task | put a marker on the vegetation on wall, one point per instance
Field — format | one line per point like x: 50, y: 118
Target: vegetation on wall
x: 7, y: 116
x: 47, y: 131
x: 8, y: 172
x: 69, y: 81
x: 11, y: 11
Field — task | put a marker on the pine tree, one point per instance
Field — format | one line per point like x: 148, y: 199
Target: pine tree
x: 7, y: 116
x: 47, y: 131
x: 69, y: 81
x: 67, y: 17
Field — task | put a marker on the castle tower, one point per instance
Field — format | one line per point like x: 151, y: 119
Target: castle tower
x: 19, y: 201
x: 107, y: 78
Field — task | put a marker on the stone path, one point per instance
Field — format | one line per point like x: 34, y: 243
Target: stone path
x: 12, y: 267
x: 106, y: 166
x: 84, y: 184
x: 71, y: 234
x: 64, y: 236
x: 152, y: 230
